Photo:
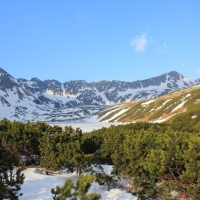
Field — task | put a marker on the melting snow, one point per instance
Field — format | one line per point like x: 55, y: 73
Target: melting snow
x: 194, y: 116
x: 188, y: 95
x: 179, y: 106
x: 37, y: 186
x: 160, y: 120
x: 116, y: 115
x: 145, y: 104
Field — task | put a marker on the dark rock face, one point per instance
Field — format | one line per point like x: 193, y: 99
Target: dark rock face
x: 73, y: 87
x: 4, y: 102
x: 6, y: 80
x: 51, y: 94
x: 33, y: 86
x: 54, y: 86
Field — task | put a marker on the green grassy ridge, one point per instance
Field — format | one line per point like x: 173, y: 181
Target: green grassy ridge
x: 147, y: 110
x: 167, y: 108
x: 130, y: 113
x: 144, y: 111
x: 195, y: 95
x: 174, y: 103
x: 138, y: 111
x: 158, y: 113
x: 187, y: 118
x: 159, y: 108
x: 157, y: 104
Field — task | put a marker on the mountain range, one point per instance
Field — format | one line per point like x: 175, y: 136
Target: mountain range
x: 77, y: 100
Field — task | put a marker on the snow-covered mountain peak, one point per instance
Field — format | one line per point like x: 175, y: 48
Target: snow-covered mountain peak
x: 2, y: 71
x: 6, y: 80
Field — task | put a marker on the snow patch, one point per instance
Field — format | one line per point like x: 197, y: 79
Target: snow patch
x: 37, y: 186
x: 117, y: 114
x: 145, y: 104
x: 160, y: 120
x: 179, y: 106
x: 188, y: 95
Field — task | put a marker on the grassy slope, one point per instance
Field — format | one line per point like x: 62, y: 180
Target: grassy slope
x: 184, y: 103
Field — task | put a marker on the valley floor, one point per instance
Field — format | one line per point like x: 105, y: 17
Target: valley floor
x: 87, y: 126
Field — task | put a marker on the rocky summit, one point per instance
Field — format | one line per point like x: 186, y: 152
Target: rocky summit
x: 77, y: 100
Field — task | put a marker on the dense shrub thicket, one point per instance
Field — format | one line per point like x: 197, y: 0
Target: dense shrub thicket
x: 157, y: 158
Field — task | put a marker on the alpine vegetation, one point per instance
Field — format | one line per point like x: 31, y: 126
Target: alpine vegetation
x: 149, y: 160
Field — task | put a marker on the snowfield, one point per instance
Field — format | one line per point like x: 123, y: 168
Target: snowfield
x: 37, y: 186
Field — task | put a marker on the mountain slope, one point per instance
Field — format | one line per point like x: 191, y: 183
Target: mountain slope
x: 181, y: 104
x: 18, y: 103
x: 50, y: 100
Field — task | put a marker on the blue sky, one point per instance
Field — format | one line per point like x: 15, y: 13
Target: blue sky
x: 97, y: 40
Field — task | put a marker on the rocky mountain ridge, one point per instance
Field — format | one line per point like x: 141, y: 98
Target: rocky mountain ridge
x: 51, y: 100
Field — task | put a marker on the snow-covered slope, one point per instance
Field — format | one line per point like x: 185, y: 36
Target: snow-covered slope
x: 50, y: 100
x: 80, y: 92
x: 17, y: 103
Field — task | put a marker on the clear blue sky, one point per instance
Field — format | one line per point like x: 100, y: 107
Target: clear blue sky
x: 97, y: 40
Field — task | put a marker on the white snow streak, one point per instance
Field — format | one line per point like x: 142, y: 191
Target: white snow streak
x: 116, y: 115
x: 145, y: 104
